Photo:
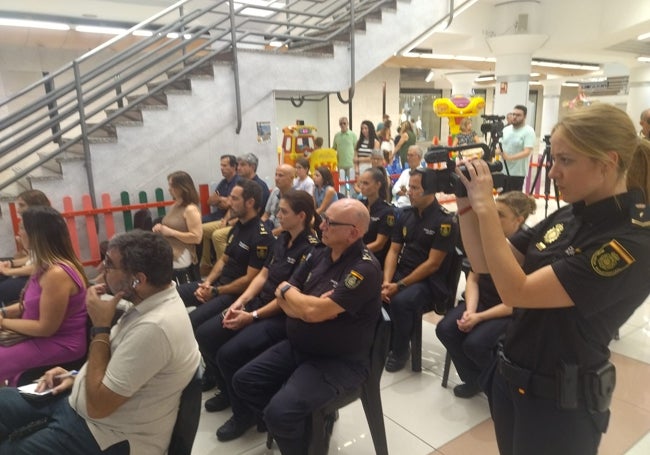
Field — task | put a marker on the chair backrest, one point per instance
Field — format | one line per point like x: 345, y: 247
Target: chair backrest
x: 187, y: 419
x: 451, y: 281
x: 380, y: 346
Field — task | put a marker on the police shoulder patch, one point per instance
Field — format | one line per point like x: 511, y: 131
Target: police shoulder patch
x: 390, y: 220
x: 611, y: 259
x: 262, y: 251
x: 445, y: 230
x: 353, y: 279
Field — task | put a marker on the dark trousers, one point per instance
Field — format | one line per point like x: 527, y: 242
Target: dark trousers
x: 10, y: 288
x: 287, y: 387
x: 243, y: 347
x: 402, y: 308
x: 471, y: 352
x: 65, y: 432
x: 527, y: 425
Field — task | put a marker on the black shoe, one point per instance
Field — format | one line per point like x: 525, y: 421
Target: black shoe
x: 219, y: 402
x: 208, y: 382
x: 232, y: 429
x: 395, y: 363
x: 467, y: 390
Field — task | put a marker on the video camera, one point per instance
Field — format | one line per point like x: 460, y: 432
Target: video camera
x: 493, y: 124
x: 446, y: 179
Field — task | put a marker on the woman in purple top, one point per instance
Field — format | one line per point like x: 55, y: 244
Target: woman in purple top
x: 52, y: 310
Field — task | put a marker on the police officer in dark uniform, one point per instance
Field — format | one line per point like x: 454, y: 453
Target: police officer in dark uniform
x: 585, y: 271
x: 332, y: 304
x: 254, y: 321
x: 373, y: 186
x: 417, y: 262
x: 248, y: 246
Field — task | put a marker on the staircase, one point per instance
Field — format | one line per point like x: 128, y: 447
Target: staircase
x: 191, y: 91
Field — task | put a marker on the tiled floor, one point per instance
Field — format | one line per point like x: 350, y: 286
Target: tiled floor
x: 423, y: 418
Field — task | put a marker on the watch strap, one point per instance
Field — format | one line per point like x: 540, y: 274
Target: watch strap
x: 284, y: 289
x: 94, y: 331
x: 255, y: 315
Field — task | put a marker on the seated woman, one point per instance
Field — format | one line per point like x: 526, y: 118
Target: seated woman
x: 15, y: 272
x: 324, y: 192
x: 52, y: 311
x: 470, y: 330
x: 372, y: 184
x: 181, y: 226
x: 303, y: 181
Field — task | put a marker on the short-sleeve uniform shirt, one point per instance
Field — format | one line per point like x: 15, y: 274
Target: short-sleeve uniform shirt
x: 435, y: 229
x: 248, y: 245
x: 601, y: 255
x: 355, y: 279
x: 382, y: 221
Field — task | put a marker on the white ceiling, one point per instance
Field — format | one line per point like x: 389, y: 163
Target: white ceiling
x: 591, y: 31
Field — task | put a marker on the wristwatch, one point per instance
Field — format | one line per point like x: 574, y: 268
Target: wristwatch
x: 284, y: 289
x: 215, y: 291
x: 401, y: 285
x: 94, y: 331
x: 255, y: 315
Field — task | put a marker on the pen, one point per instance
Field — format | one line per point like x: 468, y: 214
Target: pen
x: 69, y: 374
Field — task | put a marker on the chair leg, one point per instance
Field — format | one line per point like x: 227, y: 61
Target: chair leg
x: 445, y: 373
x: 416, y: 343
x: 371, y: 401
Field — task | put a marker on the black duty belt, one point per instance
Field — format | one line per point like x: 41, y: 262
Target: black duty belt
x: 527, y: 382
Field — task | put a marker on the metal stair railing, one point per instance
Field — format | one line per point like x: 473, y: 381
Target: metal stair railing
x: 36, y: 128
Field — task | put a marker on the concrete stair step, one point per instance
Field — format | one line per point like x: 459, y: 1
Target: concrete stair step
x: 178, y: 87
x: 155, y: 102
x: 104, y: 135
x: 132, y: 117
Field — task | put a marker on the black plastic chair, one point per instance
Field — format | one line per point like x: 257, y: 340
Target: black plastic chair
x: 440, y: 308
x: 369, y: 392
x: 187, y: 274
x: 187, y: 419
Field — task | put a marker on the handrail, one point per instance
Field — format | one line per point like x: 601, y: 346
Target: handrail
x: 116, y: 75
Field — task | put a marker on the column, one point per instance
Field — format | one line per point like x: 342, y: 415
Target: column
x: 550, y: 105
x: 512, y: 70
x: 638, y: 98
x: 462, y: 82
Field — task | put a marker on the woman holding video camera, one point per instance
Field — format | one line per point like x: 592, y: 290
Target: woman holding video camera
x: 573, y: 279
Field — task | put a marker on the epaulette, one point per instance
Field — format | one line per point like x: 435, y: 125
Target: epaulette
x: 639, y: 215
x: 312, y: 239
x: 263, y: 230
x: 366, y: 255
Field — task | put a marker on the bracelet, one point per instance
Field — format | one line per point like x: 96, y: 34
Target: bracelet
x: 99, y: 340
x: 462, y: 212
x: 11, y: 261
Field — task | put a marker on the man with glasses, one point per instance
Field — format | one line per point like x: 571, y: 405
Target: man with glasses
x: 344, y: 143
x: 417, y: 262
x: 645, y: 124
x: 401, y: 187
x: 516, y: 147
x: 332, y: 303
x: 125, y: 398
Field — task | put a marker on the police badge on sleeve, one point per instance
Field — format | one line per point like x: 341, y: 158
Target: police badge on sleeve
x: 611, y: 259
x: 353, y: 279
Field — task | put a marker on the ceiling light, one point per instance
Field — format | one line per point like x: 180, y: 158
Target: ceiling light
x: 570, y: 84
x: 142, y: 33
x: 566, y: 65
x: 643, y: 37
x: 643, y: 59
x: 33, y: 24
x: 430, y: 76
x: 102, y: 30
x: 276, y: 44
x: 486, y: 78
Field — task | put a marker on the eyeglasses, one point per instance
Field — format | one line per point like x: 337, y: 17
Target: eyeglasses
x: 109, y: 265
x: 329, y: 223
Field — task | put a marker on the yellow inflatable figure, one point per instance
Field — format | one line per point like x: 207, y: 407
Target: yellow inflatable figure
x: 456, y: 108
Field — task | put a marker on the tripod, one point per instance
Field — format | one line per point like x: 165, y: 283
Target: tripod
x: 546, y: 161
